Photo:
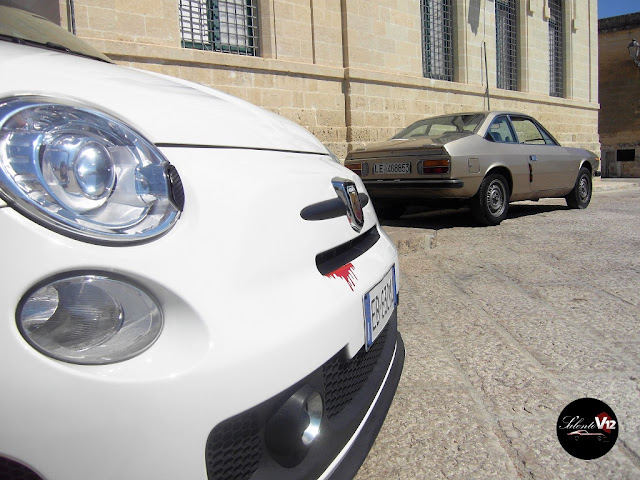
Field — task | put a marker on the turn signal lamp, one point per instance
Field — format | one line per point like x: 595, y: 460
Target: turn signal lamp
x: 355, y: 167
x: 433, y: 166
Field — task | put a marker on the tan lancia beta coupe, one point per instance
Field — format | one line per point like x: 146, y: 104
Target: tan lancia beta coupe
x: 484, y: 160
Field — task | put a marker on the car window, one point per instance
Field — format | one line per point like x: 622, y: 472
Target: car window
x: 419, y: 131
x: 438, y: 126
x: 500, y: 132
x: 529, y: 133
x: 548, y: 139
x: 438, y: 130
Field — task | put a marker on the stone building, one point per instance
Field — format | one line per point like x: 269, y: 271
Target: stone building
x: 619, y: 96
x: 357, y: 71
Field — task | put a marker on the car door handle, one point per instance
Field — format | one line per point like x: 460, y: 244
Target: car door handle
x: 533, y: 158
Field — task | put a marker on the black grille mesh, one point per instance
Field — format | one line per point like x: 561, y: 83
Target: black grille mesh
x: 344, y: 379
x: 177, y: 189
x: 234, y: 449
x: 10, y: 470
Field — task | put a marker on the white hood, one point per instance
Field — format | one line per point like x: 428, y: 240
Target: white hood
x: 164, y: 109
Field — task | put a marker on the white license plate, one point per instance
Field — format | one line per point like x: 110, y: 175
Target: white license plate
x: 379, y: 304
x: 387, y: 168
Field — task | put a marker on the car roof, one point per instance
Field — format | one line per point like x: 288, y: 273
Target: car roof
x: 484, y: 112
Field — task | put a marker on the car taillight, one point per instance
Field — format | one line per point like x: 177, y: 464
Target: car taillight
x: 433, y: 166
x: 355, y: 167
x: 362, y: 169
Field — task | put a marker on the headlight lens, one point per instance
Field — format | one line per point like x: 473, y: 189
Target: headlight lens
x: 89, y: 319
x: 83, y: 172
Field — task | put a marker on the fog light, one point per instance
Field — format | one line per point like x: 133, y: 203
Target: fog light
x: 89, y: 319
x: 295, y: 427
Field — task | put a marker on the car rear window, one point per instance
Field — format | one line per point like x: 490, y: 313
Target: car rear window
x: 439, y: 126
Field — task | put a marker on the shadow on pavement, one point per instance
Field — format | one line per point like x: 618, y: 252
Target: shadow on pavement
x: 443, y: 219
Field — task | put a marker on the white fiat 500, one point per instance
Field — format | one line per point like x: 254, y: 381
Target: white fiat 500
x: 191, y: 288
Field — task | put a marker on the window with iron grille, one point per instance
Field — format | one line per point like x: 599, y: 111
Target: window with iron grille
x: 223, y: 26
x: 506, y: 44
x: 556, y: 52
x: 437, y: 39
x: 626, y: 155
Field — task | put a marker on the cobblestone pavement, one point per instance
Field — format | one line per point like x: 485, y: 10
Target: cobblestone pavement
x: 504, y: 326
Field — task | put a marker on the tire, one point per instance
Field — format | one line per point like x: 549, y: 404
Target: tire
x: 490, y: 205
x: 580, y: 196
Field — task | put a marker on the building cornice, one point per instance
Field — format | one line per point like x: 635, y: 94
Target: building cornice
x: 619, y: 23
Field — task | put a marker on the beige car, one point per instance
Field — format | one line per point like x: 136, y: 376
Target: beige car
x: 484, y: 160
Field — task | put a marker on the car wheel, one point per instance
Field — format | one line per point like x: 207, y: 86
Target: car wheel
x: 580, y: 196
x: 490, y: 205
x: 390, y: 211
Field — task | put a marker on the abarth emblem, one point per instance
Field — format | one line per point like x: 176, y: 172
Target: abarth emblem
x: 348, y: 193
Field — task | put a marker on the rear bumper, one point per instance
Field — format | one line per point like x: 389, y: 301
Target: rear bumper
x: 395, y: 184
x: 414, y: 191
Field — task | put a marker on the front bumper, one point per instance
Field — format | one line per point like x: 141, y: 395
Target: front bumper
x: 246, y: 318
x: 357, y: 395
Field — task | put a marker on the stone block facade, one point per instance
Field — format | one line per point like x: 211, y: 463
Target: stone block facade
x: 620, y: 94
x: 351, y: 71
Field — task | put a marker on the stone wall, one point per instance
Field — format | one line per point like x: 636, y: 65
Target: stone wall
x: 351, y: 70
x: 620, y: 94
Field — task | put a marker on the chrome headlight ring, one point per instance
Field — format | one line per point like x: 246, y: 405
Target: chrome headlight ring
x: 84, y: 173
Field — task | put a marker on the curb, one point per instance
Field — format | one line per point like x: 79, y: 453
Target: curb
x: 610, y: 184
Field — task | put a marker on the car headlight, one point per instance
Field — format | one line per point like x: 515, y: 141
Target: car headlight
x: 85, y: 173
x: 90, y: 318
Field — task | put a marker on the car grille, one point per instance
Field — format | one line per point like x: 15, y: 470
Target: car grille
x: 344, y: 379
x: 236, y: 448
x: 340, y: 255
x: 10, y: 470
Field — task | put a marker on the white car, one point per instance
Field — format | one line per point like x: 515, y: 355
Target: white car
x: 192, y: 288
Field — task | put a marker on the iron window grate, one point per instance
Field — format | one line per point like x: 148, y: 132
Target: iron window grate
x: 437, y: 39
x: 556, y: 52
x: 222, y: 26
x: 506, y: 44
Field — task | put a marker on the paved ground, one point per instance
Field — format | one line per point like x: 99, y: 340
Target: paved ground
x: 504, y: 326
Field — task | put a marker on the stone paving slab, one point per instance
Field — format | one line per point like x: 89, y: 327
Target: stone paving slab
x: 503, y: 327
x: 604, y: 184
